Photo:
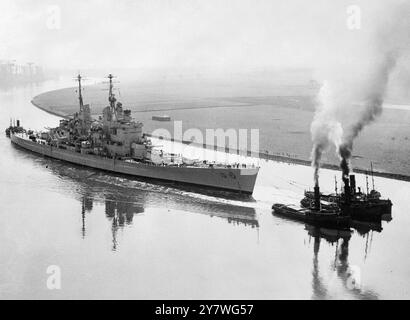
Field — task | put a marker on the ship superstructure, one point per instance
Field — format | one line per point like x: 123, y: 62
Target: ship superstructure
x: 114, y: 134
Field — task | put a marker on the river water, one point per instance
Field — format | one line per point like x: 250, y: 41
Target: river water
x: 115, y: 237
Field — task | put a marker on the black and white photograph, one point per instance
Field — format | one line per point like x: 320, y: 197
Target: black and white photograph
x: 204, y: 150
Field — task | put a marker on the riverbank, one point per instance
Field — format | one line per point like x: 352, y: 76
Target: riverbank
x: 50, y: 111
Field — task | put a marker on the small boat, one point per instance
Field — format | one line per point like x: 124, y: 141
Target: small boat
x: 14, y: 128
x: 161, y: 118
x: 359, y: 205
x: 322, y: 217
x: 314, y: 214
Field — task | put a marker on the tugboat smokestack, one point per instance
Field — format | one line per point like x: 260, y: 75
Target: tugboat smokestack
x: 317, y: 196
x: 346, y: 188
x: 352, y: 184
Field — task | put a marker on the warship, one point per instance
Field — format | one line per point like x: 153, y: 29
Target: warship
x: 115, y: 142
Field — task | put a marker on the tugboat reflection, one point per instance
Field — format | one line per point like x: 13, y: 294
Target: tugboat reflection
x: 349, y: 275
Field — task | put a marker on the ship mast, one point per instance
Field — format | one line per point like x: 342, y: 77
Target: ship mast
x: 111, y: 96
x: 367, y: 183
x: 371, y: 168
x: 80, y: 96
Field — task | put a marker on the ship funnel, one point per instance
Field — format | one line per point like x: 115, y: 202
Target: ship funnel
x: 317, y: 197
x: 346, y: 188
x: 352, y: 184
x: 18, y: 123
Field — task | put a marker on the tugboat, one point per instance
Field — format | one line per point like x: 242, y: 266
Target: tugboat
x: 359, y: 205
x: 14, y: 128
x: 115, y: 142
x: 314, y: 214
x: 374, y: 196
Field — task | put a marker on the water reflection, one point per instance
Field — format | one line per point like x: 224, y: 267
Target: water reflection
x: 318, y: 285
x: 349, y: 275
x: 123, y: 197
x: 118, y: 210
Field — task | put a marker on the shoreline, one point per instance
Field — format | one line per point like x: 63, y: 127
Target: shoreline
x: 261, y: 155
x: 54, y: 113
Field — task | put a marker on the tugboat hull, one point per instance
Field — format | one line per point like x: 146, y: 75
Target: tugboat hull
x: 319, y: 218
x: 366, y: 212
x: 360, y: 210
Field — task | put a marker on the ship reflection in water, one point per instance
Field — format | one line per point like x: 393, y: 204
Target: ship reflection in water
x: 350, y: 275
x: 120, y: 213
x: 123, y: 198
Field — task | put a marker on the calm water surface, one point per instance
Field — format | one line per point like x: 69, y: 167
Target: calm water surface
x: 115, y: 237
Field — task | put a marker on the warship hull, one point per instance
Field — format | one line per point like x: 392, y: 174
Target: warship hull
x: 239, y: 180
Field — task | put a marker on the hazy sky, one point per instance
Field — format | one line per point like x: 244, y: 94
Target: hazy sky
x: 236, y: 34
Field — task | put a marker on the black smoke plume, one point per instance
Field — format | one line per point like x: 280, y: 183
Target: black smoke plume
x: 353, y: 94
